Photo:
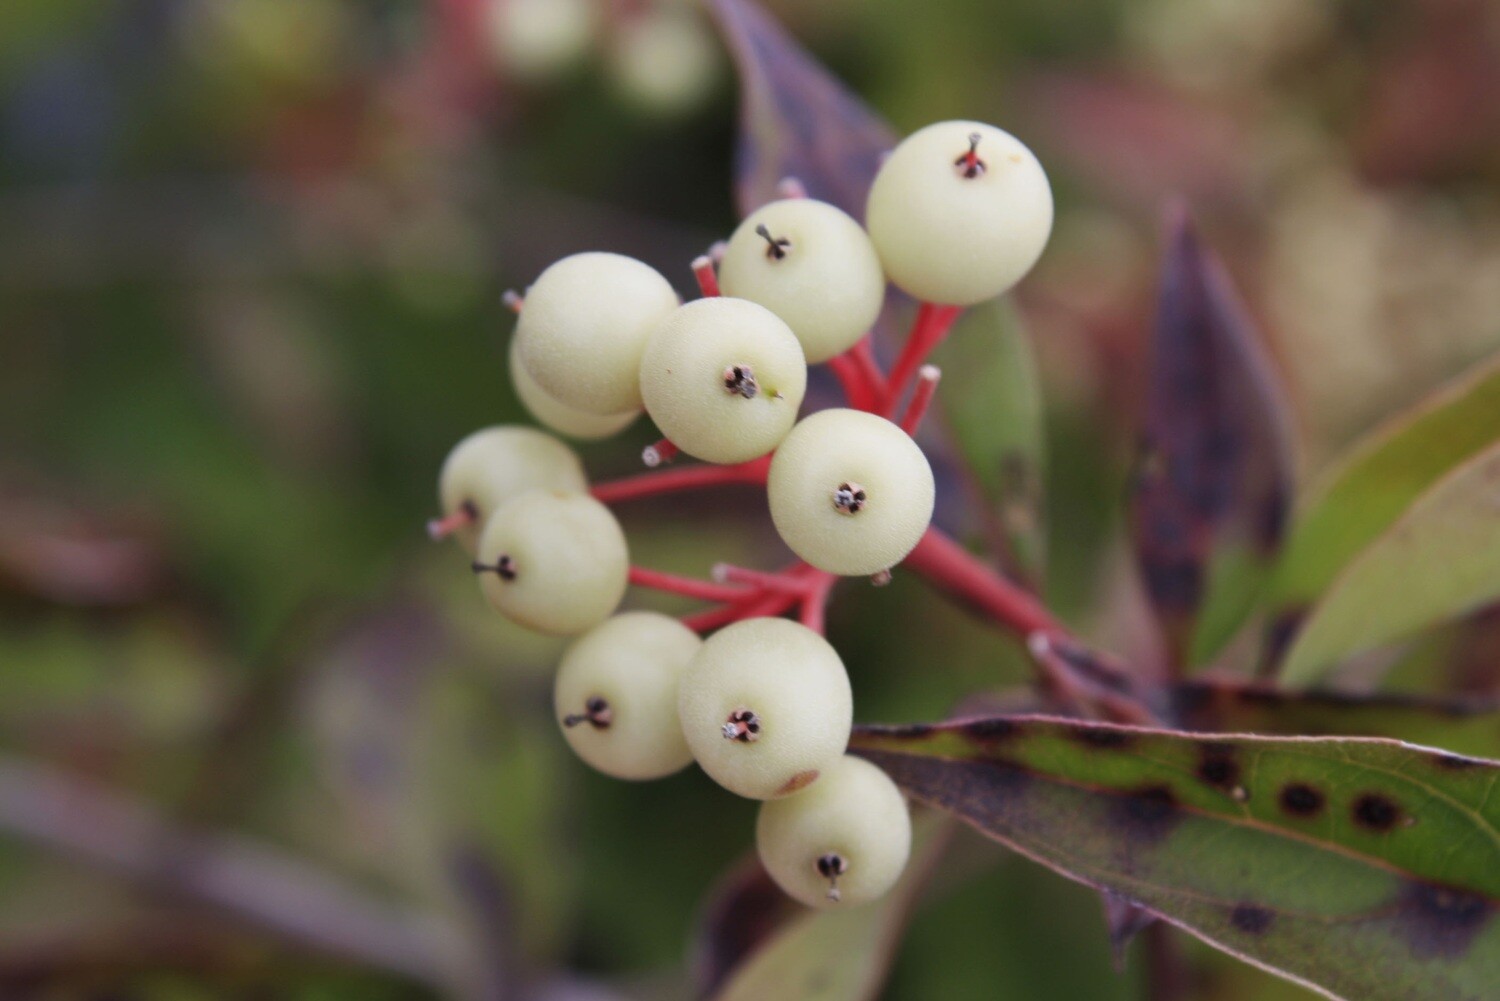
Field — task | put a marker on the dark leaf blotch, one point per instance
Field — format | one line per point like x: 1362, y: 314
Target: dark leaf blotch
x: 1102, y: 738
x: 1149, y: 813
x: 1218, y: 765
x: 1441, y: 921
x: 1376, y: 812
x: 1301, y: 800
x: 1251, y: 919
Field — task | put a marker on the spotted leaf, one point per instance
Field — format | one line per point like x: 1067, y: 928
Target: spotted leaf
x: 1365, y: 869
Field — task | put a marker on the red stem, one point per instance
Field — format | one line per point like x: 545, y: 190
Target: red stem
x: 668, y: 481
x: 690, y: 587
x: 863, y: 354
x: 953, y: 569
x: 815, y: 601
x: 921, y: 398
x: 931, y: 326
x: 440, y: 528
x: 708, y: 280
x: 857, y: 389
x: 713, y: 618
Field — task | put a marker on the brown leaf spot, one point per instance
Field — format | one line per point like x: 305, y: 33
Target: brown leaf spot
x: 1218, y: 765
x: 1251, y: 919
x: 799, y: 781
x: 1301, y: 800
x: 1148, y: 813
x: 1376, y: 812
x: 1441, y: 921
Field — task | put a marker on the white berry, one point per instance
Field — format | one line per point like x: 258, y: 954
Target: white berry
x: 552, y: 561
x: 959, y: 212
x: 766, y: 707
x: 616, y: 695
x: 584, y: 324
x: 842, y: 842
x: 723, y: 378
x: 559, y: 416
x: 492, y: 465
x: 537, y: 39
x: 813, y: 266
x: 850, y: 492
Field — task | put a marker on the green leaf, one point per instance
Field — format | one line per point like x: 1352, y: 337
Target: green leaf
x: 1463, y: 725
x: 841, y: 955
x: 991, y: 401
x: 1379, y: 477
x: 1367, y: 869
x: 1437, y: 561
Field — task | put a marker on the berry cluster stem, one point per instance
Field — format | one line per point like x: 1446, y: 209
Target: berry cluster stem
x: 689, y: 587
x: 668, y: 481
x: 930, y: 327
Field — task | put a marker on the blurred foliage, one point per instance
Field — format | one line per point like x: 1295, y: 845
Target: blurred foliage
x: 252, y: 256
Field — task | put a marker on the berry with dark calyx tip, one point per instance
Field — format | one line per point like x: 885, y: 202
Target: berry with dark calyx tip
x: 841, y: 842
x: 813, y: 266
x: 491, y: 466
x: 765, y: 706
x: 584, y: 326
x: 850, y: 492
x: 723, y: 378
x: 959, y: 212
x: 557, y: 415
x: 554, y: 562
x: 616, y: 695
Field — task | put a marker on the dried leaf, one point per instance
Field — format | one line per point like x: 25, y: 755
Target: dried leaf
x: 1214, y: 480
x: 1366, y: 869
x: 797, y: 120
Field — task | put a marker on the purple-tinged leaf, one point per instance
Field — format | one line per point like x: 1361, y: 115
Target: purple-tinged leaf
x: 1125, y: 921
x: 1364, y: 869
x: 742, y: 911
x: 1465, y: 725
x: 837, y: 954
x: 797, y: 119
x: 1214, y: 483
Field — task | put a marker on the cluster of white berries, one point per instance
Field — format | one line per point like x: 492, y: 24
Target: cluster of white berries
x: 958, y: 213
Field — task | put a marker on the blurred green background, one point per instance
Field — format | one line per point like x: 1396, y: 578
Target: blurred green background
x: 251, y: 255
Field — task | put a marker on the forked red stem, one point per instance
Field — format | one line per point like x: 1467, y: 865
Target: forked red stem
x: 668, y: 481
x: 921, y: 398
x: 932, y: 325
x: 691, y: 587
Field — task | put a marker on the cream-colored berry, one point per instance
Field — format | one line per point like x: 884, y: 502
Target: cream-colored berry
x: 616, y: 695
x: 664, y: 61
x: 557, y: 415
x: 842, y: 842
x: 813, y: 266
x: 765, y: 706
x: 959, y: 212
x: 538, y: 39
x: 723, y: 378
x: 552, y: 561
x: 492, y: 465
x: 850, y: 492
x: 583, y: 327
